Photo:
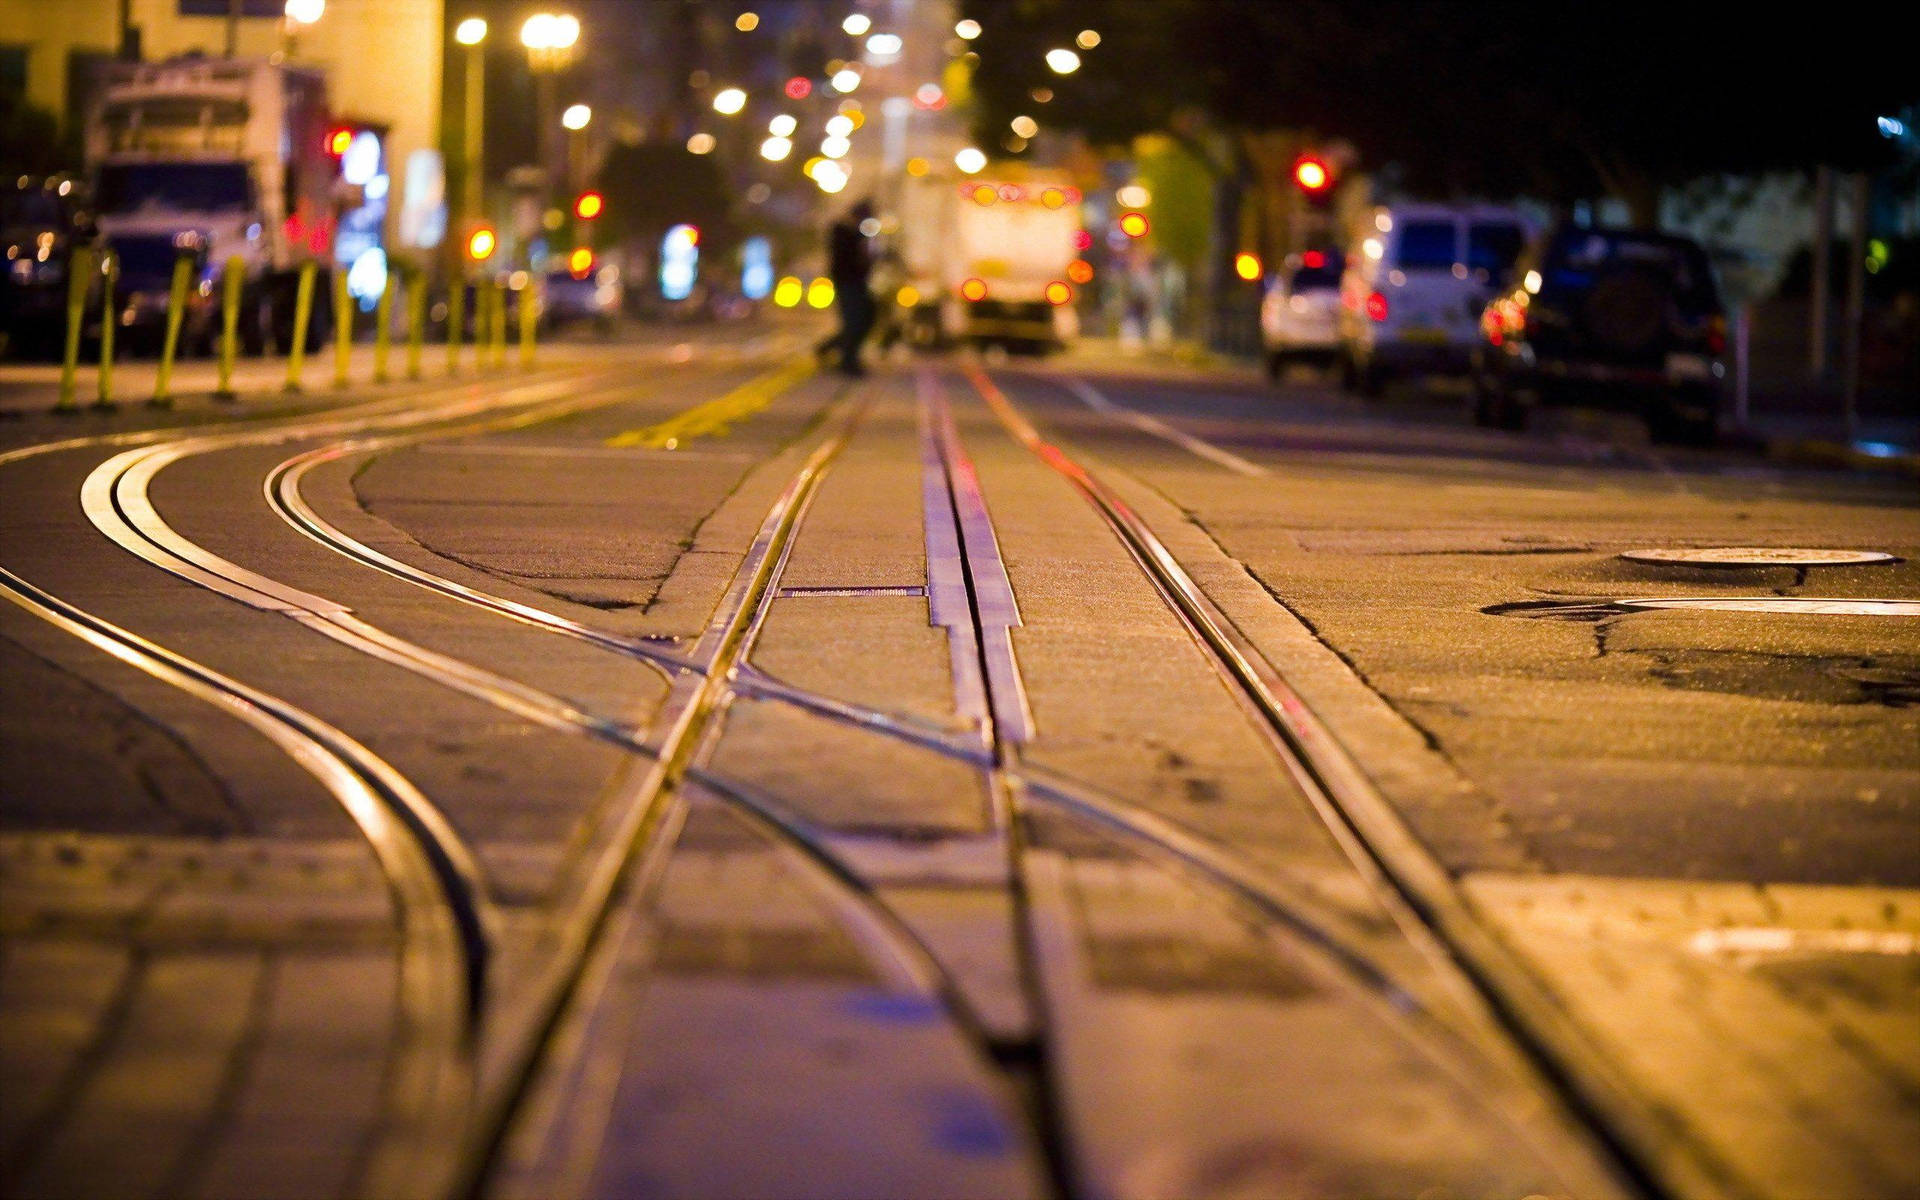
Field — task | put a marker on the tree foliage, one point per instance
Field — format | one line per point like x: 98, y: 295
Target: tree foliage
x: 1562, y: 101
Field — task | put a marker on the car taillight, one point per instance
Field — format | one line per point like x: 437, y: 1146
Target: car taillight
x: 1376, y: 306
x: 1716, y: 335
x: 974, y: 289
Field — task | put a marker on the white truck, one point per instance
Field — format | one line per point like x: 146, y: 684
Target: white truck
x: 225, y: 157
x: 988, y: 258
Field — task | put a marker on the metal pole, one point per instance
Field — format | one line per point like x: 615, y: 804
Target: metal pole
x: 342, y: 326
x: 475, y: 145
x: 383, y: 329
x: 109, y: 275
x: 529, y: 314
x: 416, y: 318
x: 231, y: 277
x: 176, y: 311
x: 1817, y: 337
x: 302, y: 317
x: 1742, y: 331
x: 499, y: 324
x: 456, y: 302
x: 1856, y: 311
x: 79, y: 282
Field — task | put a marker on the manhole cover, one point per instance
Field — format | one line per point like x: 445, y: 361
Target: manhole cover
x: 1760, y: 556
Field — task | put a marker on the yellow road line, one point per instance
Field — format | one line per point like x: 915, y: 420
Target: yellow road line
x: 715, y: 417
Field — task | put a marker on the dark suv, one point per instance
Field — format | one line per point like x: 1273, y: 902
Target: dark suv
x: 1620, y: 318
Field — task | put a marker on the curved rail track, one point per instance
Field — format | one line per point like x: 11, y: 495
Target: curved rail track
x: 478, y: 1062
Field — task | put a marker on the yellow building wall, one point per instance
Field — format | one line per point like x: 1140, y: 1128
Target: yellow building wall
x: 382, y: 58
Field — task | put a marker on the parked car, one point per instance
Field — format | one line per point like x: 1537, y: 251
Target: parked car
x: 595, y: 295
x: 42, y: 220
x: 1622, y: 318
x: 1413, y: 289
x: 1299, y: 315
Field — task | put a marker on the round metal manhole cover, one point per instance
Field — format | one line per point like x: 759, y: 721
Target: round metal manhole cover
x: 1758, y: 556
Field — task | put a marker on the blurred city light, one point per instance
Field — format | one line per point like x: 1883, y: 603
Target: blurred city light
x: 968, y: 29
x: 1058, y: 293
x: 1026, y: 127
x: 918, y: 167
x: 1246, y: 266
x: 1087, y: 40
x: 548, y: 31
x: 1134, y: 195
x: 799, y: 87
x: 305, y: 12
x: 1891, y: 127
x: 747, y: 22
x: 700, y: 143
x: 580, y: 262
x: 1063, y: 61
x: 338, y: 140
x: 1372, y: 247
x: 1311, y: 174
x: 829, y: 176
x: 776, y: 149
x: 788, y: 291
x: 576, y: 117
x: 974, y: 289
x: 756, y: 268
x: 884, y: 45
x: 1080, y: 271
x: 589, y: 205
x: 679, y: 261
x: 783, y: 125
x: 470, y: 32
x: 970, y: 160
x: 907, y: 297
x: 929, y: 96
x: 857, y: 24
x: 845, y: 79
x: 835, y: 147
x: 1134, y: 224
x: 840, y: 126
x: 480, y: 245
x: 820, y: 292
x: 729, y: 101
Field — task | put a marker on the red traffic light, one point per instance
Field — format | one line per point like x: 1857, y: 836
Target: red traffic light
x: 589, y: 205
x: 338, y: 140
x: 480, y: 245
x: 1312, y: 174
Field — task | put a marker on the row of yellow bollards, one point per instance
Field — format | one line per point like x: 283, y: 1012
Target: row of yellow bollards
x: 489, y: 326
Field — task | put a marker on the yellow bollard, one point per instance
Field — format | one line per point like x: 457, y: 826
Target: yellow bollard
x: 302, y: 318
x: 382, y: 330
x: 79, y: 280
x: 456, y: 304
x: 109, y: 319
x: 502, y: 293
x: 176, y: 313
x: 232, y: 276
x: 483, y: 325
x: 529, y: 316
x: 342, y: 326
x: 416, y: 318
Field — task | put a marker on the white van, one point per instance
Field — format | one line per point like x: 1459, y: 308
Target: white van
x: 1414, y: 286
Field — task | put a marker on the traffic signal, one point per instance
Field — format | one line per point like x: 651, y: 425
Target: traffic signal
x: 1315, y: 179
x: 338, y: 139
x: 589, y: 205
x: 580, y: 262
x: 480, y: 245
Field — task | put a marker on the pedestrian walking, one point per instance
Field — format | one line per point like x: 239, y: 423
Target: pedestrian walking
x: 849, y: 266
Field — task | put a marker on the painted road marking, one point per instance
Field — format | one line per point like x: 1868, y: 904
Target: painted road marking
x: 1160, y: 429
x: 716, y: 417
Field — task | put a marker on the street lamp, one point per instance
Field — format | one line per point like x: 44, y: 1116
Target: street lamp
x: 549, y: 39
x: 299, y: 13
x: 471, y: 33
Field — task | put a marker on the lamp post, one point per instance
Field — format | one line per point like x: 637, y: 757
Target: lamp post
x: 549, y: 39
x: 298, y: 13
x: 472, y: 33
x: 575, y: 120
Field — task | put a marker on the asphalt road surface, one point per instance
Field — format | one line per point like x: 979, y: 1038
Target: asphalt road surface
x: 671, y: 771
